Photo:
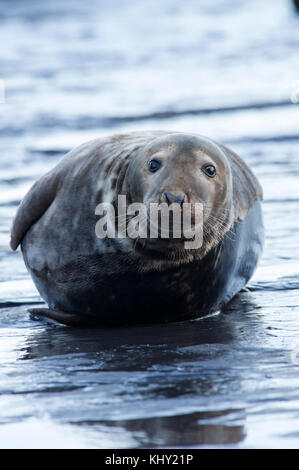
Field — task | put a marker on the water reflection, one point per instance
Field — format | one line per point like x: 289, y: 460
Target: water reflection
x: 59, y: 340
x: 164, y: 385
x: 192, y: 429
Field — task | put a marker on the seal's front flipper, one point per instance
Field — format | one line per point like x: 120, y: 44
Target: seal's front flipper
x: 69, y: 319
x: 33, y: 206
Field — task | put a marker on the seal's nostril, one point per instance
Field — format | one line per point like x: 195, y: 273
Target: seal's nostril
x: 170, y: 198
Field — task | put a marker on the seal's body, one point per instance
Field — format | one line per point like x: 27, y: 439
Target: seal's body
x: 86, y: 279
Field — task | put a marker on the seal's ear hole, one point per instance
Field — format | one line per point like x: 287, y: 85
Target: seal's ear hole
x: 209, y: 170
x: 154, y: 165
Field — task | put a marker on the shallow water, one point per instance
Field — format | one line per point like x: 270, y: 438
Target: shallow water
x: 76, y: 70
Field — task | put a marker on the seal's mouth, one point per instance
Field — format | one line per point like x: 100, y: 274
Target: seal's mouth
x: 168, y: 228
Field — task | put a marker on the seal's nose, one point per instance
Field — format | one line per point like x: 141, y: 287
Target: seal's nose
x: 170, y: 198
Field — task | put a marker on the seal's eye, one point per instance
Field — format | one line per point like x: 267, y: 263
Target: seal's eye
x: 154, y: 165
x: 209, y: 170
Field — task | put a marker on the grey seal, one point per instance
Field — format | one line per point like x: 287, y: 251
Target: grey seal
x: 88, y: 280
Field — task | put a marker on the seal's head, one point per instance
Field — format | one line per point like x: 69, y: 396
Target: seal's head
x: 181, y: 168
